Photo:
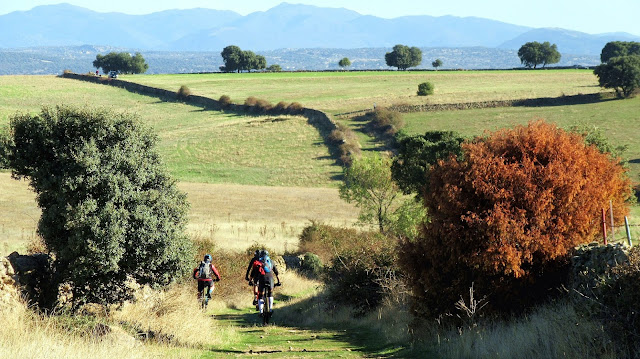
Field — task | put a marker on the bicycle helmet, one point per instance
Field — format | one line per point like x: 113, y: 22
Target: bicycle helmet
x: 207, y: 257
x: 264, y: 253
x: 257, y: 253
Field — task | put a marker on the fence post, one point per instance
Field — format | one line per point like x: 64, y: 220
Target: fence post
x: 604, y: 226
x: 613, y: 231
x: 626, y: 225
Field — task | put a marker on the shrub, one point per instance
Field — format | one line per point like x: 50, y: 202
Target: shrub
x: 262, y: 106
x: 507, y: 215
x: 425, y: 89
x: 383, y: 121
x: 183, y: 93
x: 311, y: 265
x: 295, y: 108
x: 225, y: 101
x: 250, y: 101
x: 281, y: 107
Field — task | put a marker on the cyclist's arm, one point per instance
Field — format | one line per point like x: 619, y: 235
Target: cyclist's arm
x: 215, y: 271
x: 195, y: 273
x: 246, y: 275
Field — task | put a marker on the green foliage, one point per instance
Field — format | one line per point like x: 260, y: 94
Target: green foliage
x: 437, y: 63
x: 595, y: 136
x: 274, y: 68
x: 110, y: 212
x: 237, y: 60
x: 121, y: 62
x: 621, y: 74
x: 183, y: 93
x: 425, y: 88
x: 416, y: 154
x: 534, y: 53
x: 368, y: 184
x: 384, y: 121
x: 232, y: 58
x: 619, y: 48
x: 344, y: 62
x: 403, y: 57
x: 312, y: 265
x: 406, y: 219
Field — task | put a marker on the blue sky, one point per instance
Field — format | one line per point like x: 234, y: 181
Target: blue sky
x: 590, y: 16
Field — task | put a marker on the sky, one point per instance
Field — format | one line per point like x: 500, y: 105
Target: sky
x: 590, y: 16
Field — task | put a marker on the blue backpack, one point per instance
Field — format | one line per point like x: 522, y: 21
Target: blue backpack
x: 268, y: 266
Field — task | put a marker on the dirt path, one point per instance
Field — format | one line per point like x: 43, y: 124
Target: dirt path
x: 285, y: 341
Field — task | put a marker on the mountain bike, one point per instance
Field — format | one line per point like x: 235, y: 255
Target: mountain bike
x: 205, y: 293
x: 267, y: 311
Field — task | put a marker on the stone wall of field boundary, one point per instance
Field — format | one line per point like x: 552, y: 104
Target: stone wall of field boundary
x: 534, y: 102
x: 318, y: 119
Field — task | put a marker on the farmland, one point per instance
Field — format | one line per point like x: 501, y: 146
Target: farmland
x: 261, y: 179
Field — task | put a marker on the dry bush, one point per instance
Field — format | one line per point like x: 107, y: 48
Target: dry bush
x: 507, y: 216
x: 281, y: 107
x: 295, y: 108
x: 262, y: 106
x: 183, y: 93
x: 225, y: 101
x: 250, y: 101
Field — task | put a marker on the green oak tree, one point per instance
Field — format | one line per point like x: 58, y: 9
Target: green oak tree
x: 403, y: 57
x: 619, y: 48
x: 534, y: 53
x: 344, y: 62
x: 122, y: 62
x: 621, y: 74
x: 111, y: 214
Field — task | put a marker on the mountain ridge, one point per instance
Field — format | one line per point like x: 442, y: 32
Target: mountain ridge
x: 283, y: 26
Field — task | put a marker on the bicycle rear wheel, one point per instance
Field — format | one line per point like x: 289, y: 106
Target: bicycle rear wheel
x: 266, y: 312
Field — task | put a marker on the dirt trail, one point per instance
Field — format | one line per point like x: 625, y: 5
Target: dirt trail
x: 279, y: 341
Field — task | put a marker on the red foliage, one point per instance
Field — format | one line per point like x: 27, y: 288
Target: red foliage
x: 517, y: 203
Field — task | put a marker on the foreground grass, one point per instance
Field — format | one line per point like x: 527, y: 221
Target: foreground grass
x: 338, y: 92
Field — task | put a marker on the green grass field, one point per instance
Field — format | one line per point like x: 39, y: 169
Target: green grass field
x: 339, y: 92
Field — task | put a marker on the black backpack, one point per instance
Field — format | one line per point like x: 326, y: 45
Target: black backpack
x: 204, y: 271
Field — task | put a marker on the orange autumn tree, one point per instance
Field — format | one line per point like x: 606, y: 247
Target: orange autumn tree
x: 506, y: 215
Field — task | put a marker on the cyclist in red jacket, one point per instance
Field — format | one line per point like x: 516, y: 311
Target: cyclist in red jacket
x: 253, y: 274
x: 204, y: 274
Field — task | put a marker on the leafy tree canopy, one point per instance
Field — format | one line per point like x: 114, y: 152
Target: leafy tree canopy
x: 621, y: 74
x: 534, y: 53
x: 403, y: 57
x: 368, y: 183
x: 416, y: 155
x: 110, y: 211
x: 235, y: 59
x: 437, y: 63
x: 122, y: 62
x: 344, y: 62
x: 619, y: 48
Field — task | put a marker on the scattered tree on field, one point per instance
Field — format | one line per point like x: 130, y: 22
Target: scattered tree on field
x: 437, y: 63
x: 110, y: 212
x: 619, y: 48
x: 403, y: 57
x: 507, y: 214
x: 237, y: 60
x: 534, y: 53
x: 122, y: 62
x: 274, y: 68
x: 368, y: 184
x: 416, y: 155
x: 621, y: 74
x: 345, y: 62
x: 425, y: 89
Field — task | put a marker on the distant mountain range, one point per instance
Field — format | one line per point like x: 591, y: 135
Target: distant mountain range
x: 51, y: 38
x: 284, y: 26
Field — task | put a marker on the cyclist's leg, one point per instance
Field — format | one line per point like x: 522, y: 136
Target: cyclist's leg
x: 200, y: 288
x: 261, y: 288
x: 269, y: 287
